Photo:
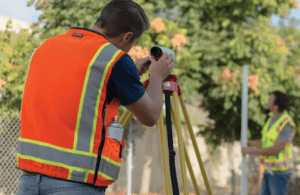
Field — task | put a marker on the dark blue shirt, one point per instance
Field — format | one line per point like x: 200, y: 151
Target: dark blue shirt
x: 125, y: 83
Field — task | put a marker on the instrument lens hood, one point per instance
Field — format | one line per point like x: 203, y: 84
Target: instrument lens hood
x: 156, y: 52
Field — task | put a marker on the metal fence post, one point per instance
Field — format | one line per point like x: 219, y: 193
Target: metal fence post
x: 129, y: 164
x: 244, y: 126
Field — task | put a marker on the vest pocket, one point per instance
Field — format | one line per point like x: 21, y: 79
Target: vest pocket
x: 114, y: 149
x: 111, y: 161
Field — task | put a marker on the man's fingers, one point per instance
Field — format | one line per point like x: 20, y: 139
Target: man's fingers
x: 152, y: 60
x: 165, y: 56
x: 146, y: 58
x: 170, y: 58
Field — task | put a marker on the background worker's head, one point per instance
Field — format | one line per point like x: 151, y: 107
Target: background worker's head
x: 122, y: 22
x: 278, y: 101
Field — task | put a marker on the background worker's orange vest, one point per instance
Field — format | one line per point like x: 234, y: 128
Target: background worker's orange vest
x: 65, y: 114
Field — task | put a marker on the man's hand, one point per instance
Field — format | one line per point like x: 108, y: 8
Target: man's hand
x: 163, y: 67
x: 141, y: 64
x: 249, y: 150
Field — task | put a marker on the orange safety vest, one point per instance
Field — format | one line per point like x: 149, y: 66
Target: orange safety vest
x: 65, y: 114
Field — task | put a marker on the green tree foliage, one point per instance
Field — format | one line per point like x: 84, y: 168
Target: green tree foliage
x: 212, y: 39
x: 14, y: 54
x: 230, y: 34
x: 290, y: 36
x: 59, y: 16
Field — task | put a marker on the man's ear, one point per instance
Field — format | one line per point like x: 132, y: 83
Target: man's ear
x: 128, y: 37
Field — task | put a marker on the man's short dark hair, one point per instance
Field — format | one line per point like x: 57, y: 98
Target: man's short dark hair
x: 122, y: 16
x: 282, y: 100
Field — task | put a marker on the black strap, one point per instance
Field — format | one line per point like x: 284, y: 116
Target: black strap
x: 170, y: 144
x: 101, y: 145
x: 121, y: 148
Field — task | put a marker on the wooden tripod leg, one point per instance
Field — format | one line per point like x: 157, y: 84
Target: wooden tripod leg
x: 188, y: 162
x: 189, y: 165
x: 261, y: 172
x: 127, y: 120
x: 180, y: 143
x: 123, y: 117
x: 187, y: 120
x: 165, y: 155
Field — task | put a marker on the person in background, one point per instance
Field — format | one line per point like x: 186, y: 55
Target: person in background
x: 275, y: 146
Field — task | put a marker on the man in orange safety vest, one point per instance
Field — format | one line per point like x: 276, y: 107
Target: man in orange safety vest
x: 74, y: 84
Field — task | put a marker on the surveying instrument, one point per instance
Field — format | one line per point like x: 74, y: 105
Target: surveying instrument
x: 172, y: 88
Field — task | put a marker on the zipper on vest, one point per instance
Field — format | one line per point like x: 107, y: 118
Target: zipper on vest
x: 101, y: 144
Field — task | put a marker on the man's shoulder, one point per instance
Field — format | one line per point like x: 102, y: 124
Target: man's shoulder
x: 126, y: 58
x: 126, y: 64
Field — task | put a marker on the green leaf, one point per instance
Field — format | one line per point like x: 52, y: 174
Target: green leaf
x: 30, y: 2
x: 225, y: 23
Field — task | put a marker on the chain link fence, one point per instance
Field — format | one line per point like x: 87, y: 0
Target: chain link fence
x: 9, y: 133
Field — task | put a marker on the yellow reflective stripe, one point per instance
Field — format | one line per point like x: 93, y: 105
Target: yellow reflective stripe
x: 57, y: 147
x: 70, y: 174
x: 98, y: 98
x: 86, y: 177
x: 105, y: 176
x: 111, y: 161
x: 48, y: 162
x: 283, y: 124
x: 87, y: 171
x: 83, y: 94
x: 71, y: 169
x: 67, y: 150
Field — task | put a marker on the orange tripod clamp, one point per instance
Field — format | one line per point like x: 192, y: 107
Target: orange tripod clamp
x: 169, y: 84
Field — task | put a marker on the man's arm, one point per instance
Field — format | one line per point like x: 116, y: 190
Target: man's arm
x: 148, y: 108
x: 282, y: 139
x: 274, y: 150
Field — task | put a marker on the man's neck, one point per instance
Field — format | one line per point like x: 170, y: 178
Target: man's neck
x: 99, y: 30
x: 276, y: 114
x: 113, y: 41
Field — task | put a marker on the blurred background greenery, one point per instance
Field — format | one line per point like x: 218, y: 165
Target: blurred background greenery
x: 212, y: 40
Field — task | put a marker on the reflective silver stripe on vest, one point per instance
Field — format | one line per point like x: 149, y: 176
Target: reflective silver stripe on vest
x: 90, y: 98
x: 109, y: 169
x: 70, y: 159
x: 278, y: 165
x: 78, y: 176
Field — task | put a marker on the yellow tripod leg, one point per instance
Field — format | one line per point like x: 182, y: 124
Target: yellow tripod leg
x: 188, y: 122
x: 127, y: 120
x: 188, y: 162
x: 123, y: 117
x: 165, y: 155
x: 180, y: 144
x: 189, y: 165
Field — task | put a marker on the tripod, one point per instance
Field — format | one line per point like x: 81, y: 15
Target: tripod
x: 172, y: 88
